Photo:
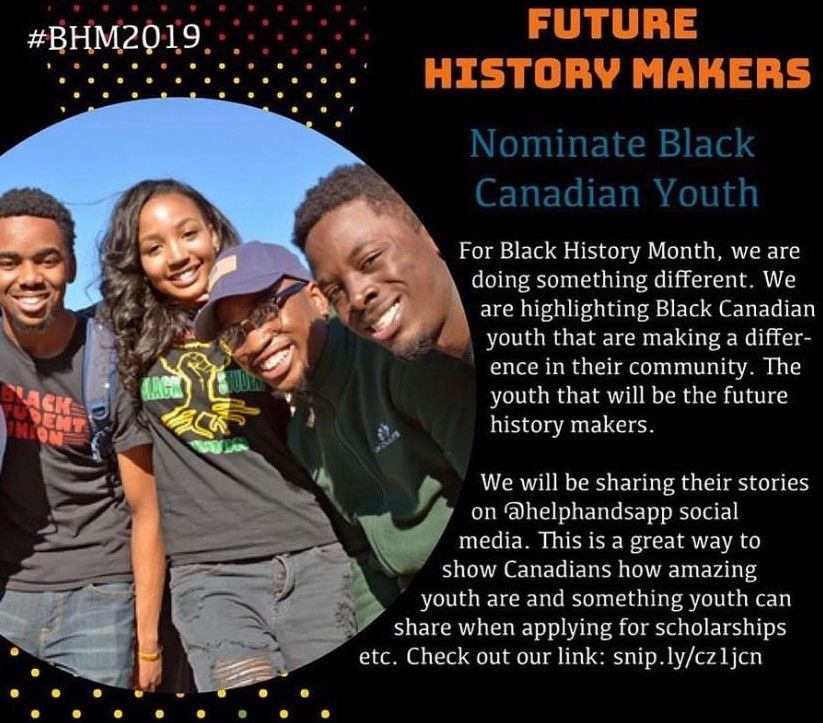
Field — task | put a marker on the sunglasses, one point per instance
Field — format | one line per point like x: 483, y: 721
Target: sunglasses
x: 266, y: 311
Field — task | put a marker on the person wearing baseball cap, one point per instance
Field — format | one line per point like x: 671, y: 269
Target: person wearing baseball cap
x: 387, y: 440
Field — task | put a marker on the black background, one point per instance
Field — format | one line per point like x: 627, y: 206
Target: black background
x: 419, y: 141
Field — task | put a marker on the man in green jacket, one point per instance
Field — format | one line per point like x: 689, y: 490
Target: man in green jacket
x: 388, y: 441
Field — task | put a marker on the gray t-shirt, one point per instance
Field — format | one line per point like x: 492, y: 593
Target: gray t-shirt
x: 64, y: 521
x: 228, y: 486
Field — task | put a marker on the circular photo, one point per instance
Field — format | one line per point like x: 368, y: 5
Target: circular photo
x: 238, y: 393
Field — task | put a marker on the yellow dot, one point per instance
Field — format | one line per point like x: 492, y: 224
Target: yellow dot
x: 106, y: 94
x: 76, y: 94
x: 193, y: 66
x: 192, y: 95
x: 280, y: 94
x: 135, y: 94
x: 91, y: 81
x: 309, y: 94
x: 14, y: 652
x: 14, y: 693
x: 164, y: 94
x: 119, y: 80
x: 294, y: 109
x: 91, y: 107
x: 338, y: 124
x: 250, y: 94
x: 265, y: 81
x: 221, y: 94
x: 323, y: 109
x: 222, y: 66
x: 62, y: 109
x: 207, y: 51
x: 35, y: 672
x: 284, y: 714
x: 324, y: 80
x: 201, y: 714
x: 266, y: 108
x: 309, y: 124
x: 159, y: 714
x: 338, y: 95
x: 179, y: 695
x: 284, y: 674
x: 263, y: 693
x: 97, y: 693
x: 280, y: 66
x: 35, y: 714
x: 62, y: 81
x: 55, y: 692
x: 294, y: 80
x: 178, y: 80
x: 352, y: 80
x: 105, y: 66
x: 76, y: 714
x: 118, y: 714
x: 235, y: 80
x: 325, y: 714
x: 207, y: 80
x: 221, y: 693
x: 149, y: 80
x: 138, y: 693
x: 134, y: 66
x: 48, y: 66
x: 149, y: 51
x: 304, y: 693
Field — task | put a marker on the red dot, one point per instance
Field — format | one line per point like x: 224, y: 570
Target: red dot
x: 164, y: 37
x: 221, y: 36
x: 236, y: 22
x: 309, y: 37
x: 207, y: 22
x: 309, y: 8
x: 352, y: 22
x: 251, y: 8
x: 294, y: 22
x: 193, y: 8
x: 338, y: 8
x: 366, y: 37
x: 61, y: 21
x: 178, y: 51
x: 294, y: 51
x: 250, y: 36
x: 338, y: 66
x: 178, y: 22
x: 352, y: 51
x: 90, y: 21
x: 221, y: 8
x: 265, y: 51
x: 105, y: 8
x: 279, y: 36
x: 76, y: 8
x: 265, y: 22
x: 164, y: 8
x: 324, y: 22
x: 280, y: 8
x: 135, y: 8
x: 338, y: 36
x: 120, y: 21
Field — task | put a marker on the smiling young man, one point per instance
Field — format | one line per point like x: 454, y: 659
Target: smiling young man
x: 379, y: 267
x: 67, y: 590
x: 387, y: 440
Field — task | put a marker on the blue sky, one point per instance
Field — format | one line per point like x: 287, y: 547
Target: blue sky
x: 253, y: 165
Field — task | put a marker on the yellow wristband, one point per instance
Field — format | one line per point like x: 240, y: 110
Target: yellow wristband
x: 151, y: 657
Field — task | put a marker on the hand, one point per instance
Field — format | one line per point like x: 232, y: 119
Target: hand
x: 147, y: 674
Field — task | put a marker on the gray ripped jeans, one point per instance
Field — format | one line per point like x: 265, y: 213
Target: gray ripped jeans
x: 243, y: 622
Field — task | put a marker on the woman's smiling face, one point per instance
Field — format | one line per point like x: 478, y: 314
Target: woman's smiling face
x: 178, y: 247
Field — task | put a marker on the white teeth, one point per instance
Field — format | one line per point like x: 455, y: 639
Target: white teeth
x: 30, y: 300
x: 387, y: 317
x: 186, y: 275
x: 275, y: 359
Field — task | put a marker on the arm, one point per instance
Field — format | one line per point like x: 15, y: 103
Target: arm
x: 147, y: 557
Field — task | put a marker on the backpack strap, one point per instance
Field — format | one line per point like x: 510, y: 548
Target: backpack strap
x: 99, y: 383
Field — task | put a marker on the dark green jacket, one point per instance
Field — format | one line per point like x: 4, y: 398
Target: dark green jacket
x: 388, y: 441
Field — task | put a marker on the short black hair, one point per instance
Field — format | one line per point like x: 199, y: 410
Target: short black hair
x: 36, y: 202
x: 342, y: 185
